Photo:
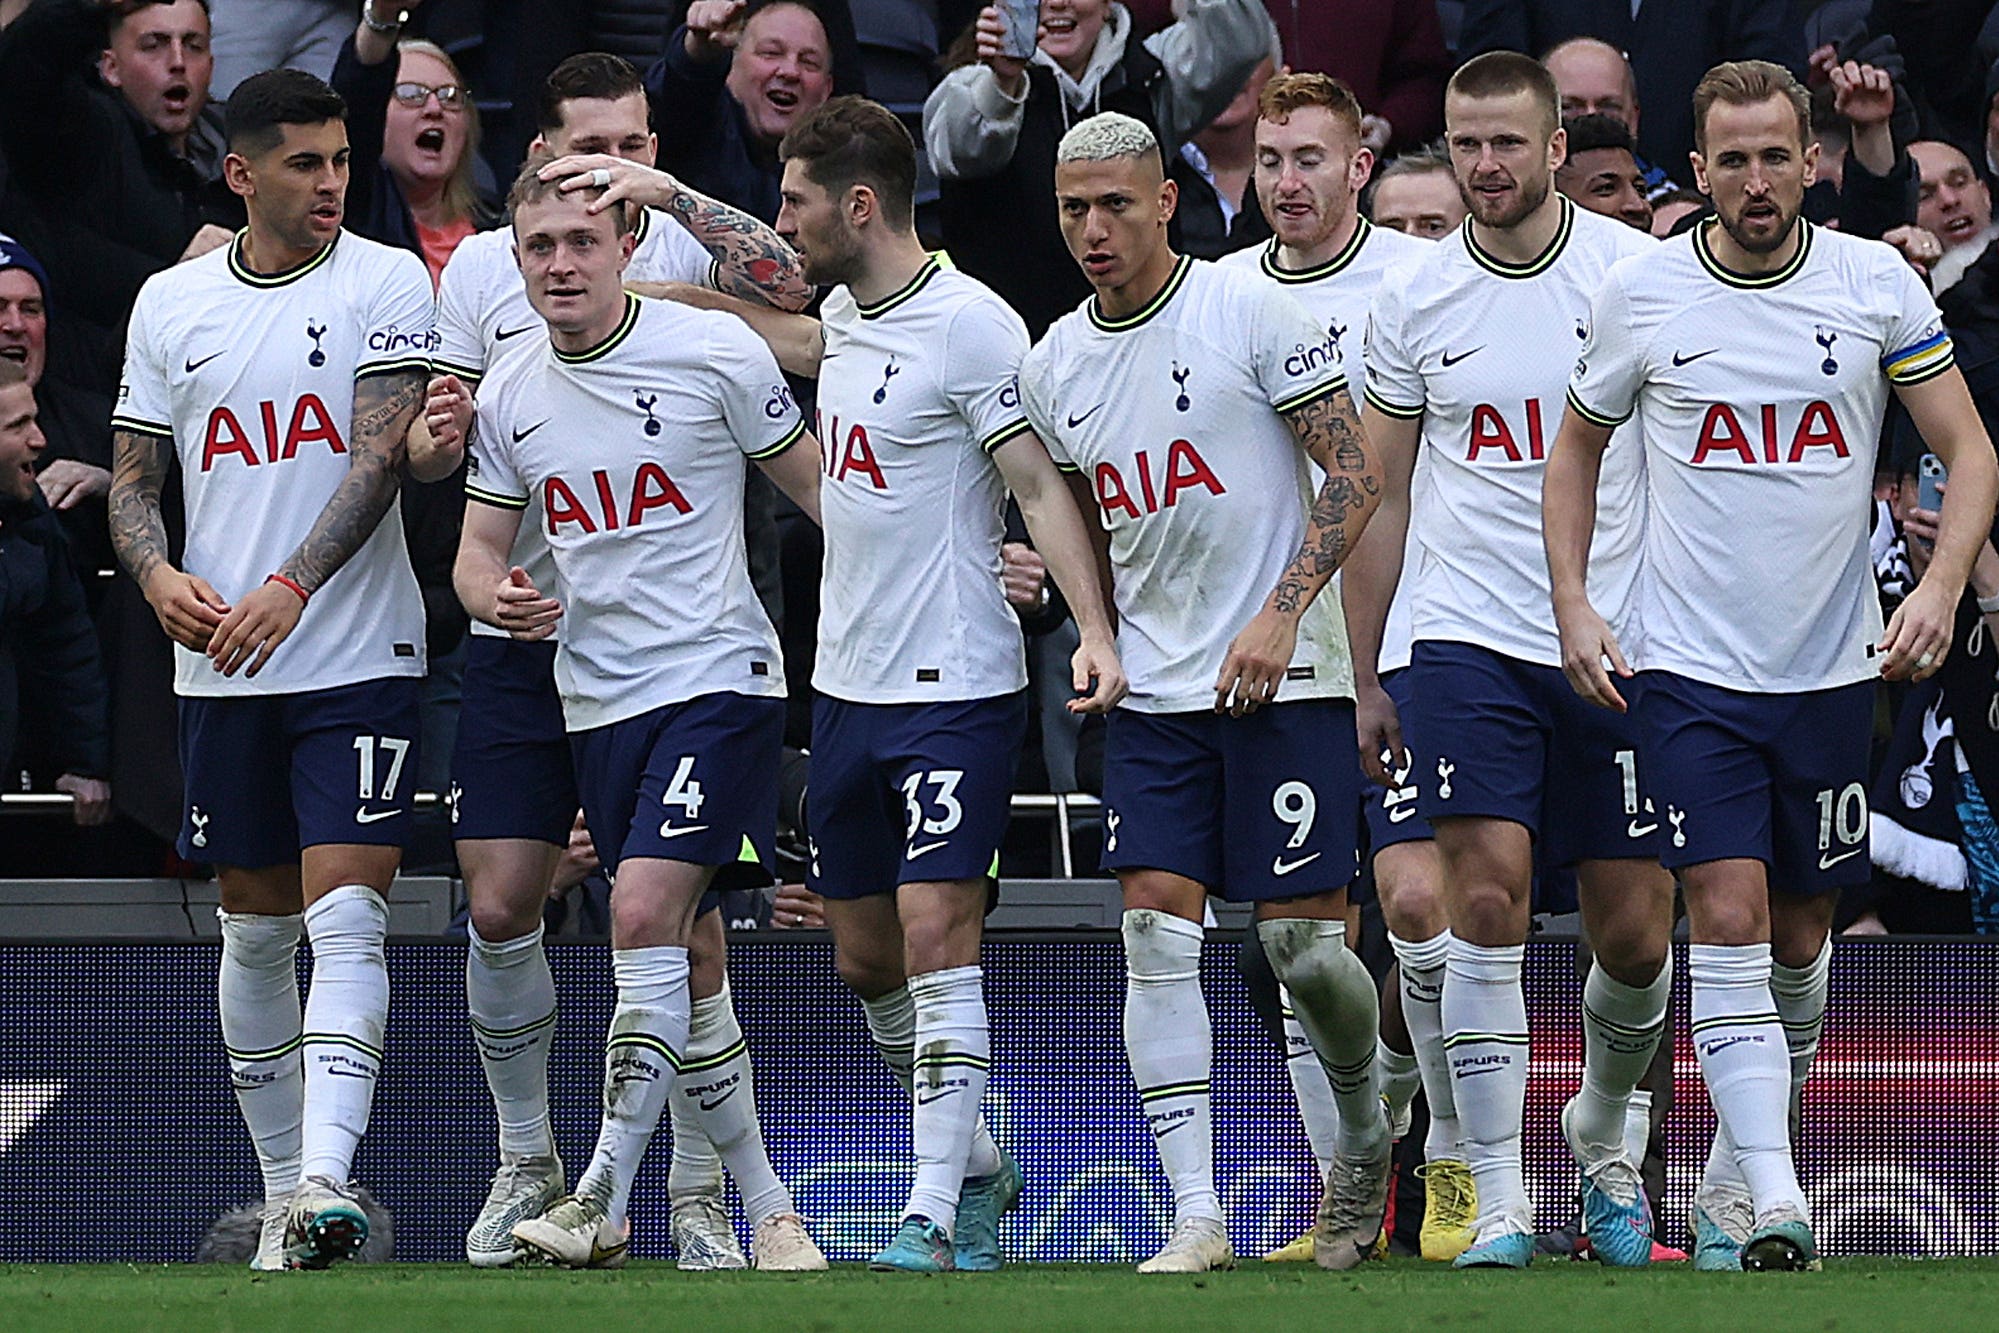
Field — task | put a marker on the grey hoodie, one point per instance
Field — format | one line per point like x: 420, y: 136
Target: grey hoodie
x: 970, y: 125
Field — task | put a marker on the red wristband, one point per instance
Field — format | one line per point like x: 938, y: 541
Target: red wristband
x: 303, y: 595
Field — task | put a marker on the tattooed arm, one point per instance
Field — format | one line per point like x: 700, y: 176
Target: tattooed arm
x: 797, y: 341
x: 384, y: 406
x: 189, y: 610
x: 1328, y: 430
x: 751, y: 260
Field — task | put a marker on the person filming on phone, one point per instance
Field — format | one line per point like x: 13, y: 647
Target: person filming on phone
x: 992, y: 125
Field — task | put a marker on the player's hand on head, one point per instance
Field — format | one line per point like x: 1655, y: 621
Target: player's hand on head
x: 1098, y: 677
x: 1256, y: 662
x: 67, y: 483
x: 1917, y: 639
x: 1378, y: 727
x: 521, y: 610
x: 621, y: 180
x: 1587, y: 645
x: 188, y: 609
x: 261, y: 620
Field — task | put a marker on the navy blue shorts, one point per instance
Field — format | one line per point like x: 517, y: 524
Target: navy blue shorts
x: 511, y: 771
x: 268, y: 775
x: 1391, y: 812
x: 1255, y: 808
x: 694, y: 781
x: 1506, y: 739
x: 903, y: 793
x: 1781, y: 778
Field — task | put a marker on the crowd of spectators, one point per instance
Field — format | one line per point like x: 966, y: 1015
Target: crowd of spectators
x: 111, y: 169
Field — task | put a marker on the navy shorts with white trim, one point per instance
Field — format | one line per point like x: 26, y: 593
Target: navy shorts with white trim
x: 512, y: 775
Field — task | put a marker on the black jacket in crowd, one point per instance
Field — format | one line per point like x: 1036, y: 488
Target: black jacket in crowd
x: 50, y: 668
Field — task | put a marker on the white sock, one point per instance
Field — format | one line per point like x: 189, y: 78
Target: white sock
x: 1721, y: 1175
x: 641, y: 1054
x: 953, y: 1054
x: 1485, y: 1033
x: 892, y: 1025
x: 696, y: 1168
x: 715, y: 1089
x: 1309, y: 1086
x: 346, y: 1010
x: 1800, y: 993
x: 1337, y: 1004
x: 1401, y: 1078
x: 1744, y: 1061
x: 1638, y: 1125
x: 1621, y: 1027
x: 510, y: 995
x: 257, y: 992
x: 1422, y: 965
x: 1170, y: 1044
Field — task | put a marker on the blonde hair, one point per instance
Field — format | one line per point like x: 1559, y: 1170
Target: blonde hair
x: 461, y: 195
x: 1107, y: 137
x: 1747, y: 83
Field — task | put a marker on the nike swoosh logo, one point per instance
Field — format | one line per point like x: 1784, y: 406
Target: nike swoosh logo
x: 598, y: 1253
x: 921, y: 1100
x: 1450, y: 360
x: 1637, y: 830
x: 1828, y: 862
x: 193, y: 365
x: 366, y: 816
x: 338, y: 1072
x: 1177, y: 1124
x: 709, y: 1106
x: 1279, y: 866
x: 667, y: 830
x: 1679, y: 360
x: 1400, y: 813
x: 502, y: 335
x: 1075, y: 421
x: 924, y: 850
x: 520, y: 435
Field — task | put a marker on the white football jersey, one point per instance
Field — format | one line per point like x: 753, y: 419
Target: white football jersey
x: 1760, y: 401
x: 1339, y: 293
x: 1481, y: 350
x: 252, y: 375
x: 633, y: 454
x: 915, y: 391
x: 1174, y: 413
x: 483, y: 311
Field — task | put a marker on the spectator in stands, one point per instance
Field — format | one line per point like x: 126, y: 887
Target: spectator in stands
x: 1595, y: 79
x: 991, y: 127
x: 75, y: 473
x: 1670, y: 44
x: 1417, y: 193
x: 733, y: 79
x: 255, y: 35
x: 49, y: 663
x: 1601, y: 172
x: 1866, y: 185
x: 115, y: 170
x: 1954, y: 205
x: 1214, y: 170
x: 415, y: 138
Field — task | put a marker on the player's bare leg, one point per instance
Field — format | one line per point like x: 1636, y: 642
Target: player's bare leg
x: 1408, y: 878
x: 1334, y: 1000
x: 1170, y: 1042
x: 1745, y: 1061
x: 1488, y: 870
x: 1627, y: 910
x: 257, y: 993
x: 510, y: 997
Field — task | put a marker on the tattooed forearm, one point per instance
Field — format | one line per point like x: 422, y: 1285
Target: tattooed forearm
x: 751, y: 260
x: 138, y: 531
x: 1328, y: 430
x: 384, y: 406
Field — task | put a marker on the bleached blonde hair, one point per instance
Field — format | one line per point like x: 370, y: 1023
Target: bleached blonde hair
x: 1107, y: 137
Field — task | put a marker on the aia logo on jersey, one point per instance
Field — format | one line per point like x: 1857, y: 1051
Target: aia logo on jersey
x: 645, y: 404
x: 315, y: 331
x: 1491, y: 430
x: 309, y: 423
x: 1159, y: 485
x: 849, y: 456
x: 650, y: 488
x: 1722, y: 432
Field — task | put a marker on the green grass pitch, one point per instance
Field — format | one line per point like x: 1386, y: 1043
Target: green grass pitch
x: 1857, y: 1294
